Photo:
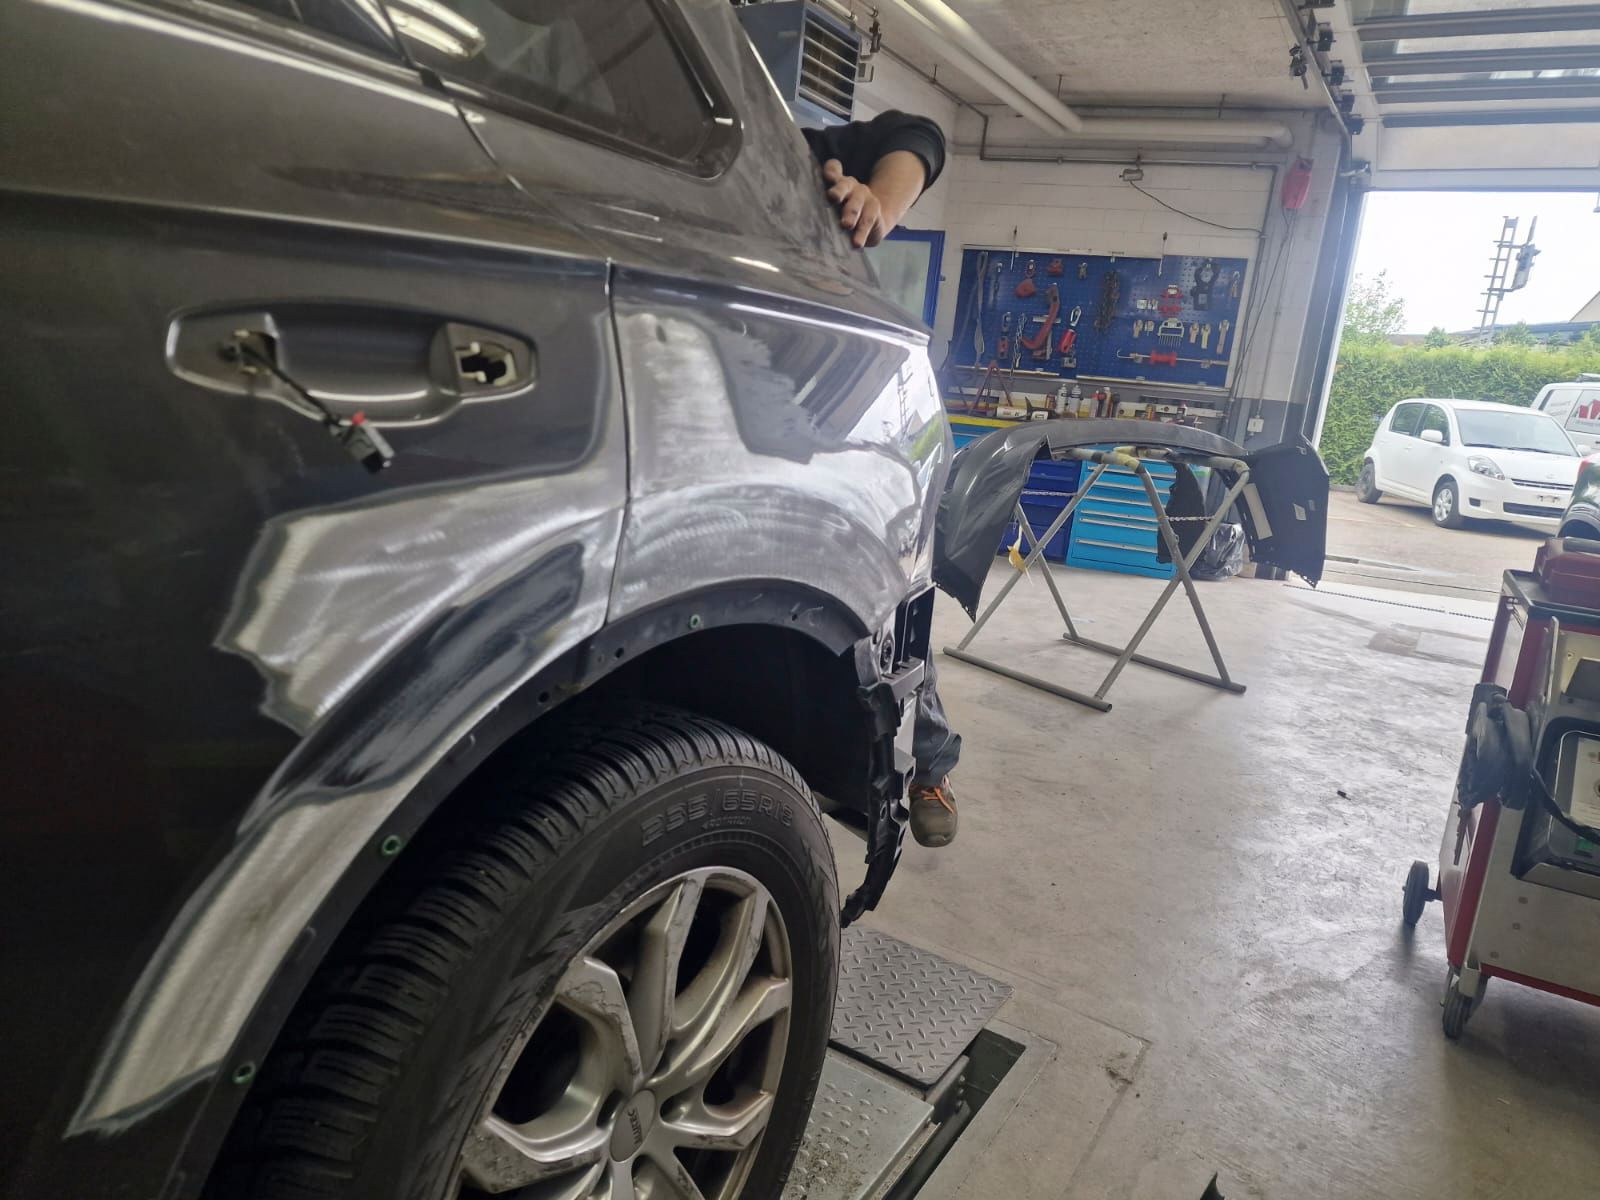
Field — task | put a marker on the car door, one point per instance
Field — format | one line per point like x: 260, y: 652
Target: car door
x: 1582, y: 420
x: 1397, y: 449
x: 1432, y: 459
x: 778, y: 402
x: 201, y: 584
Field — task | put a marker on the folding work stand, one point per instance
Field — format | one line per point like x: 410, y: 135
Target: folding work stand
x: 1132, y: 460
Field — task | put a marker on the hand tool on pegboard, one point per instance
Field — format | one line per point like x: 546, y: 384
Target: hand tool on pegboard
x: 1156, y: 358
x: 979, y: 294
x: 1027, y: 287
x: 1004, y: 348
x: 1068, y: 347
x: 1083, y: 270
x: 1171, y: 302
x: 1205, y: 337
x: 1233, y: 287
x: 995, y: 272
x: 1222, y: 334
x: 1110, y: 297
x: 1194, y: 331
x: 1077, y: 311
x: 1167, y: 358
x: 1053, y: 267
x: 1205, y: 275
x: 1039, y: 343
x: 1170, y: 331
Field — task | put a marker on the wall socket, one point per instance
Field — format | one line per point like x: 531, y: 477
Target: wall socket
x: 1255, y: 424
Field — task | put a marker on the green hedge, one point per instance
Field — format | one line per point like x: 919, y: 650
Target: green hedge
x: 1370, y: 377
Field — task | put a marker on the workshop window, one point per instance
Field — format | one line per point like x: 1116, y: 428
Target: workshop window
x: 1405, y: 420
x: 1433, y: 418
x: 612, y: 67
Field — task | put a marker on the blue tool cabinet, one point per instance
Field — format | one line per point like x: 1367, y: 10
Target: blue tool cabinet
x: 1050, y: 488
x: 1115, y: 529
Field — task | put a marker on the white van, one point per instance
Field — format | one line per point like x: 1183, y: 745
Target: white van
x: 1577, y: 407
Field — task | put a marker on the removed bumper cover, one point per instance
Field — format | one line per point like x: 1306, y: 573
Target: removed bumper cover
x: 988, y: 475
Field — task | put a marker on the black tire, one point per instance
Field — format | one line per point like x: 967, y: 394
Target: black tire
x: 1417, y: 893
x: 1367, y: 484
x: 389, y: 1060
x: 1457, y: 1008
x: 1446, y: 510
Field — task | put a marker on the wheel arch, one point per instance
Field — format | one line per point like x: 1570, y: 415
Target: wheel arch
x: 708, y: 651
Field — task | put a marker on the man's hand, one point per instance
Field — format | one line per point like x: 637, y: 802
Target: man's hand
x: 860, y: 211
x: 870, y: 212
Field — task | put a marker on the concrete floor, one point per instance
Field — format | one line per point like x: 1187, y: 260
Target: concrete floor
x: 1197, y: 899
x: 1395, y: 544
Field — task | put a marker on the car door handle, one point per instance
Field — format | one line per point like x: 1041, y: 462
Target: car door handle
x: 394, y: 366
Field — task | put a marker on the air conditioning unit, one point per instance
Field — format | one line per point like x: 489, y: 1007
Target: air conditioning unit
x: 811, y: 53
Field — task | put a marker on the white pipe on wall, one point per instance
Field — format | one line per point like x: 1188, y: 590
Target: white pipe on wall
x: 956, y: 41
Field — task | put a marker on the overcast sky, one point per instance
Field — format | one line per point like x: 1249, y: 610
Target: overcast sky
x: 1436, y: 247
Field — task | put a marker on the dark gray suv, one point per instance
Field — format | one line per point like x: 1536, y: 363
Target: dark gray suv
x: 464, y: 507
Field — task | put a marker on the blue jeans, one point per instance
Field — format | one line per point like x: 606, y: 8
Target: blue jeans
x: 936, y: 747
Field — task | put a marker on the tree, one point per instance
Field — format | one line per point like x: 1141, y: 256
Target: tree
x: 1372, y: 312
x: 1436, y: 338
x: 1515, y: 335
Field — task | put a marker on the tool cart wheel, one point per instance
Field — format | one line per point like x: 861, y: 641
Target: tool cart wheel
x: 1417, y: 893
x: 1457, y: 1007
x: 1367, y: 485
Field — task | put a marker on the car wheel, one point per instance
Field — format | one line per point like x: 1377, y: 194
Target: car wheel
x: 1447, y: 505
x: 617, y: 982
x: 1367, y: 484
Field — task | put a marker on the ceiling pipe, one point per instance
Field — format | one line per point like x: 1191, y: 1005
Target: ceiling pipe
x: 953, y: 39
x: 957, y: 55
x: 952, y: 29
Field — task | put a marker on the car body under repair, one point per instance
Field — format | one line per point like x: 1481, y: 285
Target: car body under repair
x: 449, y: 563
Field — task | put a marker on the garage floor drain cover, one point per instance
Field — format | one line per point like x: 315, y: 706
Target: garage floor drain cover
x: 906, y: 1010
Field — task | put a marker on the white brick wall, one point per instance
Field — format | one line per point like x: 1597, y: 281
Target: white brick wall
x: 1086, y: 208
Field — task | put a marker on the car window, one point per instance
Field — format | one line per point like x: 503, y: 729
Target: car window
x: 1433, y: 418
x: 1513, y: 429
x: 1405, y: 419
x: 1557, y: 401
x: 606, y: 66
x: 346, y: 20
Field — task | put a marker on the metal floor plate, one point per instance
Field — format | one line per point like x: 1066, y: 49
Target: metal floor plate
x: 906, y: 1010
x: 858, y: 1130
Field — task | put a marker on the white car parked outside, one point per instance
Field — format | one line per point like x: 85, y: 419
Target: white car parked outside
x: 1472, y: 459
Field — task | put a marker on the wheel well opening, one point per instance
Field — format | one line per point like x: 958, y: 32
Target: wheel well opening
x: 774, y: 684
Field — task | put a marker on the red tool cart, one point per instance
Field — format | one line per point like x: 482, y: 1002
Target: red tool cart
x: 1519, y: 861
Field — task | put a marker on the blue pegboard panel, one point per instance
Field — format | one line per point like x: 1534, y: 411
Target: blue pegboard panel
x: 1131, y: 314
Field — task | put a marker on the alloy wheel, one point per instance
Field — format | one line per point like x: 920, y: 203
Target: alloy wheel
x: 653, y: 1071
x: 1441, y: 505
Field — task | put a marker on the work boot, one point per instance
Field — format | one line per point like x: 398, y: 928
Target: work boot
x: 933, y: 813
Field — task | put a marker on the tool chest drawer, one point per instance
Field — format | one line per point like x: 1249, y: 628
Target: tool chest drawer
x: 1051, y: 485
x: 1115, y: 529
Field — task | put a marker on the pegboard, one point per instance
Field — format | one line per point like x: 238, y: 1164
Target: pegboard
x: 1162, y: 298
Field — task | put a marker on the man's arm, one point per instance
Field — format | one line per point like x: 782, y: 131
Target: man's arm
x: 871, y: 210
x: 875, y: 170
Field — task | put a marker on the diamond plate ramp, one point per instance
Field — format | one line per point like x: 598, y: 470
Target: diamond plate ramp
x: 906, y: 1010
x: 858, y: 1130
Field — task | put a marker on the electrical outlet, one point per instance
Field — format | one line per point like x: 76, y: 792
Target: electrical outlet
x: 1255, y: 424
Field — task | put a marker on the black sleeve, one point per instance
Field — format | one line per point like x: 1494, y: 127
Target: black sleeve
x: 860, y: 144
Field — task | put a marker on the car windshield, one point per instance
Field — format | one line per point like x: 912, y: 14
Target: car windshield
x: 1508, y: 430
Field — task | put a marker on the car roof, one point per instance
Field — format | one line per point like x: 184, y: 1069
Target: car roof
x: 1458, y: 405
